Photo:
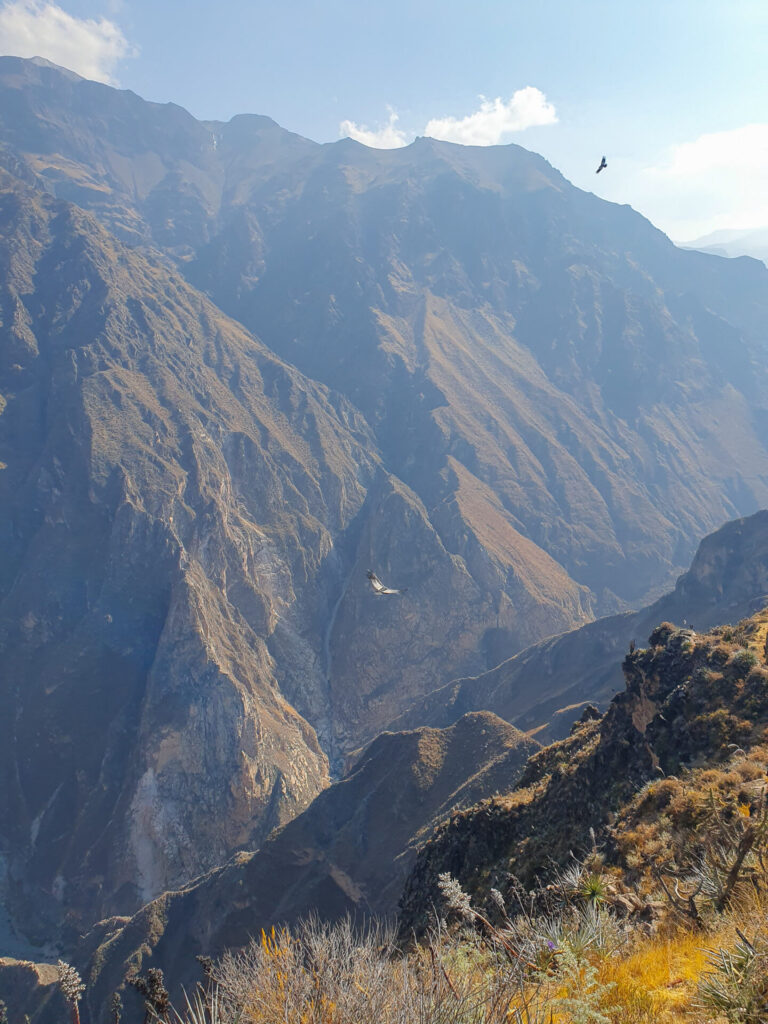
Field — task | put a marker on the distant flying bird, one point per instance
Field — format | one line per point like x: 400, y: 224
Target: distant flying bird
x: 602, y: 166
x: 378, y: 587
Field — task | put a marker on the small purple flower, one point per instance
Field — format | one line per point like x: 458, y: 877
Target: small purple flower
x: 550, y: 943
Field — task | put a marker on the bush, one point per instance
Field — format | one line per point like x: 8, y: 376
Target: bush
x: 736, y: 986
x: 719, y: 655
x: 661, y: 634
x: 741, y: 662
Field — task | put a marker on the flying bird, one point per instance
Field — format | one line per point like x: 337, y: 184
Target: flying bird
x: 378, y: 587
x: 602, y: 166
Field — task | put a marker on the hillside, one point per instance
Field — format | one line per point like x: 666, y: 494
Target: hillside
x: 348, y: 853
x: 182, y: 514
x: 667, y: 787
x: 597, y: 391
x: 727, y: 581
x: 639, y: 782
x: 141, y: 434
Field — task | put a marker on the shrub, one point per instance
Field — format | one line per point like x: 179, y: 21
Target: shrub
x: 586, y: 996
x: 661, y: 634
x: 718, y: 656
x: 742, y: 661
x: 736, y: 986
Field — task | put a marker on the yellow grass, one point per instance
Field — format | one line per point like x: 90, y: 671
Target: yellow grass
x: 658, y: 981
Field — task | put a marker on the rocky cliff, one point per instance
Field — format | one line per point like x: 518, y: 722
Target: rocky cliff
x: 160, y: 492
x: 348, y: 853
x: 693, y: 706
x: 544, y: 688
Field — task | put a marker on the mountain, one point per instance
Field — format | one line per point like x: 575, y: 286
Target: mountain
x: 181, y: 514
x: 748, y: 242
x: 352, y: 849
x: 599, y: 393
x: 159, y: 489
x: 635, y: 786
x: 693, y: 714
x: 543, y: 689
x: 348, y: 853
x: 238, y: 370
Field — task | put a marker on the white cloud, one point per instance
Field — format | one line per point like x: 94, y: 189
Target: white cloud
x: 29, y: 28
x: 494, y: 119
x: 389, y: 136
x: 486, y: 127
x: 719, y: 180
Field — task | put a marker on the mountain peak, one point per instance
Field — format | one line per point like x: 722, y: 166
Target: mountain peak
x: 43, y: 62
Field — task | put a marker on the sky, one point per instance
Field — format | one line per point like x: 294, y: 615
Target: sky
x: 673, y: 92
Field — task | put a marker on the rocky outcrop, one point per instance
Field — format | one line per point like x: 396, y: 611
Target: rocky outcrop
x: 544, y: 688
x: 691, y: 700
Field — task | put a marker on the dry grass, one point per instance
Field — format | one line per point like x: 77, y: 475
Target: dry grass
x: 657, y: 980
x: 331, y: 975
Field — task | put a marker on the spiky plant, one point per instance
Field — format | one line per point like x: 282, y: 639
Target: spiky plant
x: 157, y: 1003
x: 736, y: 986
x: 72, y: 988
x: 593, y: 889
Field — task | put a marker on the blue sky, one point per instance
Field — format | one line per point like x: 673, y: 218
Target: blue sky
x: 674, y: 92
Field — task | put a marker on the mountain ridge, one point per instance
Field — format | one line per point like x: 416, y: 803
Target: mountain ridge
x: 368, y: 219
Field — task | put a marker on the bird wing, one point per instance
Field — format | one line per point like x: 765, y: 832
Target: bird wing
x: 378, y: 586
x: 376, y: 583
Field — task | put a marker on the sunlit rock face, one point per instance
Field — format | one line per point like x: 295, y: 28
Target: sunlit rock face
x: 185, y: 519
x: 157, y: 520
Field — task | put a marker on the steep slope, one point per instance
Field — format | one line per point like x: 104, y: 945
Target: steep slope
x: 494, y: 324
x: 694, y: 705
x: 544, y: 688
x: 530, y: 405
x: 183, y: 517
x: 347, y: 853
x: 156, y: 177
x: 167, y: 486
